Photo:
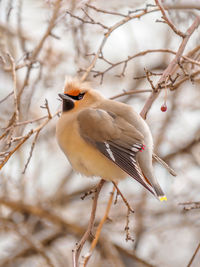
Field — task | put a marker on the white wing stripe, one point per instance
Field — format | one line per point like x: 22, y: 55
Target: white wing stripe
x: 137, y: 146
x: 134, y: 149
x: 133, y: 160
x: 109, y: 151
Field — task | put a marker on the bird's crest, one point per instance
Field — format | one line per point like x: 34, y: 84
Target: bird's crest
x: 74, y: 86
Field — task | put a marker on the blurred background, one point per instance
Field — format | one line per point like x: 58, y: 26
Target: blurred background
x: 42, y: 215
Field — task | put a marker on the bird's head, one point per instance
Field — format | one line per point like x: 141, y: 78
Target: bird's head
x: 78, y: 95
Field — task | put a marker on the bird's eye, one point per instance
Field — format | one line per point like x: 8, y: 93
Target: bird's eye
x: 80, y: 96
x: 76, y: 97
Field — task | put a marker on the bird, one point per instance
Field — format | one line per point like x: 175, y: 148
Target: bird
x: 105, y: 138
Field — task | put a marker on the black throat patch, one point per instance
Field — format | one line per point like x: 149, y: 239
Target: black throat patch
x: 68, y: 104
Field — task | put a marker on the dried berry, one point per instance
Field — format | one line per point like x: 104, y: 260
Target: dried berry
x: 163, y: 108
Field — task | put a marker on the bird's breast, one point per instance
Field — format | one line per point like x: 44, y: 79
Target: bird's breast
x: 84, y: 157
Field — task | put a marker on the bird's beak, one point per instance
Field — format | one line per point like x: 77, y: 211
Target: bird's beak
x: 68, y: 103
x: 64, y: 97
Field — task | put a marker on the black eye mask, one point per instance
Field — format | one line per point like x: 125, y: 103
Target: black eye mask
x: 68, y: 104
x: 77, y: 97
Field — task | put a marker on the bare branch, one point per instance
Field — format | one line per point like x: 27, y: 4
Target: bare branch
x: 107, y: 34
x: 168, y: 21
x: 24, y: 139
x: 14, y: 86
x: 194, y: 255
x: 164, y: 164
x: 183, y: 4
x: 171, y: 67
x: 131, y: 92
x: 98, y: 232
x: 76, y: 252
x: 123, y: 198
x: 6, y: 97
x: 31, y: 151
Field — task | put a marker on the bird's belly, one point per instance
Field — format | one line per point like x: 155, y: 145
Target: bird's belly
x: 87, y: 160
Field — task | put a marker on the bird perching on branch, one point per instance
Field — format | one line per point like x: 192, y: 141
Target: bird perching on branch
x: 105, y: 138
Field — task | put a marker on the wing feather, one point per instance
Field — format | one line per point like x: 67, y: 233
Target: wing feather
x: 126, y: 160
x: 115, y: 138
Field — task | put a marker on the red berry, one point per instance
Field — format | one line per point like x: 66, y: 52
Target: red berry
x: 163, y: 108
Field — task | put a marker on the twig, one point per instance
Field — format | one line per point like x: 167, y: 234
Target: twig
x: 45, y: 237
x: 89, y: 192
x: 168, y: 21
x: 34, y: 243
x: 31, y: 152
x: 26, y: 137
x: 171, y: 67
x: 133, y: 256
x: 131, y: 92
x: 105, y: 11
x: 19, y: 26
x: 90, y: 21
x: 123, y: 198
x: 76, y: 252
x: 149, y: 80
x: 107, y: 34
x: 128, y: 236
x: 10, y: 153
x: 46, y: 106
x: 162, y: 162
x: 98, y: 232
x: 186, y: 78
x: 110, y: 254
x: 194, y: 255
x: 40, y: 45
x: 41, y: 213
x: 190, y: 60
x: 14, y: 86
x: 192, y: 4
x: 129, y: 58
x: 6, y: 97
x: 191, y: 205
x: 49, y: 29
x: 31, y: 121
x: 150, y: 74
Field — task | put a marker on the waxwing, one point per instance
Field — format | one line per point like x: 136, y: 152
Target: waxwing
x: 105, y: 138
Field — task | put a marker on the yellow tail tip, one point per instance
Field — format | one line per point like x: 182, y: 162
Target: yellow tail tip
x: 163, y: 198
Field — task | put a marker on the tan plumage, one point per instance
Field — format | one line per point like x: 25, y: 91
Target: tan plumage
x: 105, y: 138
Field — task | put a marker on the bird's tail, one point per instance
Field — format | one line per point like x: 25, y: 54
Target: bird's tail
x: 157, y: 189
x: 159, y: 193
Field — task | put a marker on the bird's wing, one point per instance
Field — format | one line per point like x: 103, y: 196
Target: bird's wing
x: 115, y: 138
